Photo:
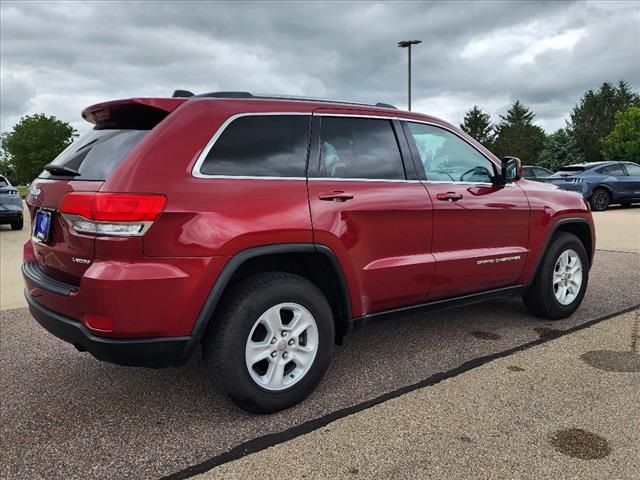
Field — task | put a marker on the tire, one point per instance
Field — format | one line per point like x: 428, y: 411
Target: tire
x: 17, y: 224
x: 246, y: 317
x: 600, y: 200
x: 541, y: 298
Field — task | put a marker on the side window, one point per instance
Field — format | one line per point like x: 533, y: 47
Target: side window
x: 359, y: 148
x: 615, y: 169
x: 448, y: 158
x: 261, y: 146
x: 633, y: 169
x: 541, y: 173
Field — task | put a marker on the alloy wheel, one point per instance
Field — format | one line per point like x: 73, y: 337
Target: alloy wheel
x: 282, y: 346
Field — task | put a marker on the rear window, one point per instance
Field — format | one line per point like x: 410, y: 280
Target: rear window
x: 97, y: 153
x: 261, y: 146
x: 359, y: 148
x: 3, y: 182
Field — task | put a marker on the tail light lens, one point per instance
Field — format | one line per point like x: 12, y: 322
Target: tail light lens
x: 119, y: 214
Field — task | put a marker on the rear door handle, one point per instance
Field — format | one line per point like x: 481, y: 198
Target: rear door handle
x: 449, y: 196
x: 335, y: 196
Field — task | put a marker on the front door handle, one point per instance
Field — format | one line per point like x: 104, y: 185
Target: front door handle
x: 335, y: 196
x: 449, y: 196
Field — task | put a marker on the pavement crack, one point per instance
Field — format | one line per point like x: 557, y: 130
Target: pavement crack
x: 635, y: 332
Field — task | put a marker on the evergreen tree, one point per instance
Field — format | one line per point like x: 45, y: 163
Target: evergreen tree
x: 478, y: 125
x: 517, y: 136
x: 594, y: 117
x: 560, y: 149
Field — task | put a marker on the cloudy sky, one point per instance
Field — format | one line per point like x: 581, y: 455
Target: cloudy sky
x: 57, y: 58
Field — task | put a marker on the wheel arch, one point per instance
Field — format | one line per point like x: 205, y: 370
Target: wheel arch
x: 315, y: 262
x: 602, y: 186
x: 578, y: 226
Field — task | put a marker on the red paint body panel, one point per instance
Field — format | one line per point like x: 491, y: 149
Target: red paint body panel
x: 396, y: 243
x: 382, y: 238
x: 487, y: 222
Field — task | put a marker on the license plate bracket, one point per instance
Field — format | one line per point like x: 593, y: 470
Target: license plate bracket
x: 42, y: 227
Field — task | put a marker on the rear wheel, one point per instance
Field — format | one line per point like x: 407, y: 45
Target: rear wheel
x: 273, y: 341
x: 600, y: 200
x: 561, y: 281
x: 17, y: 224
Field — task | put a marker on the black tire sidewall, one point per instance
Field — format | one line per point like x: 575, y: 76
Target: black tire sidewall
x: 232, y: 338
x: 553, y: 307
x: 599, y: 191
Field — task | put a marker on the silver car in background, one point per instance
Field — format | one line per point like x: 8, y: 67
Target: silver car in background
x: 10, y: 205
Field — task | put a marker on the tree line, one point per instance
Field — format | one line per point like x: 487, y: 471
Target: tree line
x: 604, y: 125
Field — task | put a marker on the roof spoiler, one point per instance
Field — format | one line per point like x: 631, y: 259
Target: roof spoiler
x: 132, y: 113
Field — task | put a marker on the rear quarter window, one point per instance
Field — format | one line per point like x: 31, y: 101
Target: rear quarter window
x: 95, y: 154
x: 260, y: 146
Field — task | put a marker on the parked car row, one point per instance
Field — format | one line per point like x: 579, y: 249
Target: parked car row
x: 10, y: 205
x: 601, y: 183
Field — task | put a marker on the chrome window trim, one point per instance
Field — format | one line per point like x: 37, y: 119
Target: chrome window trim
x: 195, y: 171
x: 341, y: 179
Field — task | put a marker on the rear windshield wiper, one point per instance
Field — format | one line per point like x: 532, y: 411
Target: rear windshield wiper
x: 61, y: 170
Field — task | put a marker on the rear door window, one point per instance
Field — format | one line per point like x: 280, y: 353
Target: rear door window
x: 615, y: 169
x: 95, y: 154
x: 365, y: 148
x: 260, y: 146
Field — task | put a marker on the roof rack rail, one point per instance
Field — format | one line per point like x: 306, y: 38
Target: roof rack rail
x: 232, y: 94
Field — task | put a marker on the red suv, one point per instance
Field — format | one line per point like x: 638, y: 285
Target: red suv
x: 265, y: 229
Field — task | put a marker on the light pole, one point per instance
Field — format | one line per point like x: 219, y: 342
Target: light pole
x: 407, y: 44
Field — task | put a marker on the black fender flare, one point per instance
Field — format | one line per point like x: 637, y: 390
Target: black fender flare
x: 221, y: 283
x: 556, y: 226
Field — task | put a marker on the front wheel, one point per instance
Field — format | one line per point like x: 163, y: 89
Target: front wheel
x: 273, y: 341
x: 561, y: 281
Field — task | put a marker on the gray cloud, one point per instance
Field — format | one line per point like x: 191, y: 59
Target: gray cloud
x: 57, y: 58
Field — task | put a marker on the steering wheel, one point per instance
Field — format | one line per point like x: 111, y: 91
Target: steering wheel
x: 476, y: 170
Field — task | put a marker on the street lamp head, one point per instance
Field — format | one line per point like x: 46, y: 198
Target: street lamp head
x: 406, y: 43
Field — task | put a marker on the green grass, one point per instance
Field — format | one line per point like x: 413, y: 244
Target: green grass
x: 22, y: 191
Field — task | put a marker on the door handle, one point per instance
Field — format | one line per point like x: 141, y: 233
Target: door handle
x: 449, y: 196
x: 335, y: 196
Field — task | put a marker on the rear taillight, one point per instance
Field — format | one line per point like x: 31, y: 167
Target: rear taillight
x: 119, y: 214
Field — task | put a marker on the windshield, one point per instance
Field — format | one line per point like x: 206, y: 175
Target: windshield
x: 95, y: 154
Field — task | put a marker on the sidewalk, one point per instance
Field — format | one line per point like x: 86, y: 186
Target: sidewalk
x: 510, y: 418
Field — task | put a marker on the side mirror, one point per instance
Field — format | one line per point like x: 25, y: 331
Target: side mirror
x: 511, y: 169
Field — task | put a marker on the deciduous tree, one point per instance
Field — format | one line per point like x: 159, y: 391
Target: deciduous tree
x: 623, y: 143
x: 35, y: 141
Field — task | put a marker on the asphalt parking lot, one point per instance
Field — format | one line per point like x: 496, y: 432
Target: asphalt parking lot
x: 66, y: 415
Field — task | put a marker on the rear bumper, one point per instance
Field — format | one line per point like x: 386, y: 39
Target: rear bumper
x: 145, y: 352
x: 10, y: 213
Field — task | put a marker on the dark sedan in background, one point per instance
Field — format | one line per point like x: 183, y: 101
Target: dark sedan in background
x: 10, y: 205
x: 601, y: 183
